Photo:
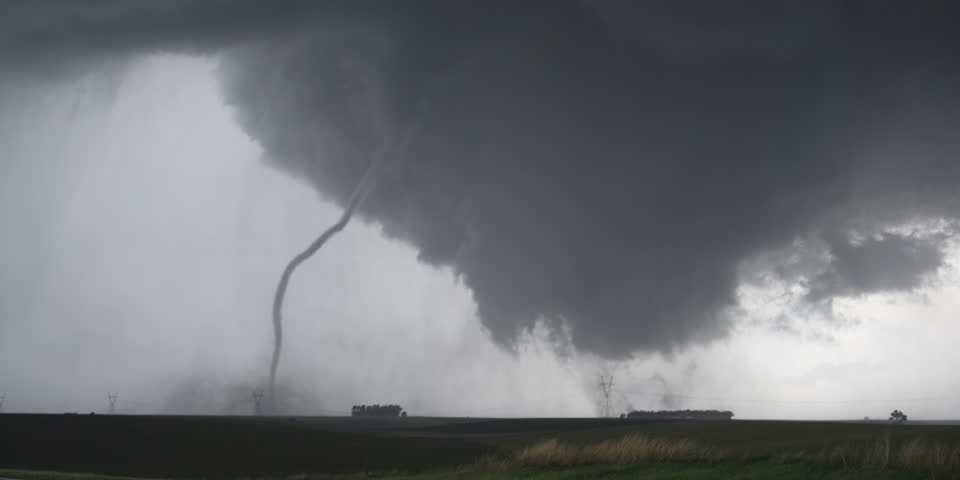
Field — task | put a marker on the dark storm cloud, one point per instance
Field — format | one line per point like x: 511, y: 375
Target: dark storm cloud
x: 604, y: 165
x: 888, y: 262
x: 53, y: 38
x: 38, y: 29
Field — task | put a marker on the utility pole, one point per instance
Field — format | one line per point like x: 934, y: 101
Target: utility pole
x: 3, y: 396
x: 606, y: 388
x: 112, y: 398
x: 257, y: 402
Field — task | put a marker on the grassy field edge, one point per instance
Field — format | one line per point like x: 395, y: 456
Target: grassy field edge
x: 726, y: 469
x: 39, y: 446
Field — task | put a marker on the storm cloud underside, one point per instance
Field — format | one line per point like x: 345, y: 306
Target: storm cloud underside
x: 605, y: 167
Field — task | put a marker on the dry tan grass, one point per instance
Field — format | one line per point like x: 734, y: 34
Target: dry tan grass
x: 925, y: 454
x: 881, y: 453
x: 637, y: 448
x: 628, y: 449
x: 549, y: 452
x: 915, y: 454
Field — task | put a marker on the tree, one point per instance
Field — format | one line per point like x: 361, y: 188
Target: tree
x: 376, y: 410
x: 897, y: 416
x: 682, y: 414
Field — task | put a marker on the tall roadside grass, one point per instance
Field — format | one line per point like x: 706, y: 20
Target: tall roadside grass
x: 916, y: 454
x: 625, y: 450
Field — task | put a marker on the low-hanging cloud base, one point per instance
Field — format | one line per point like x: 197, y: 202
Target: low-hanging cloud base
x: 605, y: 167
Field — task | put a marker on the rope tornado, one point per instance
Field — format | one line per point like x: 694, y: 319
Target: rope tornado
x: 355, y: 198
x: 374, y: 170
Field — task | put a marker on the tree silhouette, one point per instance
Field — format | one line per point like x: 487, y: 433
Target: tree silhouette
x: 682, y: 414
x: 897, y: 416
x: 376, y: 411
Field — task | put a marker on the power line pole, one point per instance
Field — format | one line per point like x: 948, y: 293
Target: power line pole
x: 112, y: 398
x: 257, y: 402
x: 606, y: 388
x: 3, y: 396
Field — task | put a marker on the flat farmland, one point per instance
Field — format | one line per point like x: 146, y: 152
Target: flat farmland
x: 233, y: 447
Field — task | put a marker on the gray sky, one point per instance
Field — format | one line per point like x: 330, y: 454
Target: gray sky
x: 542, y: 225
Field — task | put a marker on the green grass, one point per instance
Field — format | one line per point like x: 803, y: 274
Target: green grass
x: 652, y: 471
x: 263, y: 447
x: 44, y: 475
x: 680, y: 471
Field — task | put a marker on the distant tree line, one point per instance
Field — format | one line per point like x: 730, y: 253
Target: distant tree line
x: 680, y: 414
x: 378, y: 411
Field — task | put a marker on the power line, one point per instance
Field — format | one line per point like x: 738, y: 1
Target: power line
x: 257, y: 402
x: 606, y: 388
x: 112, y: 399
